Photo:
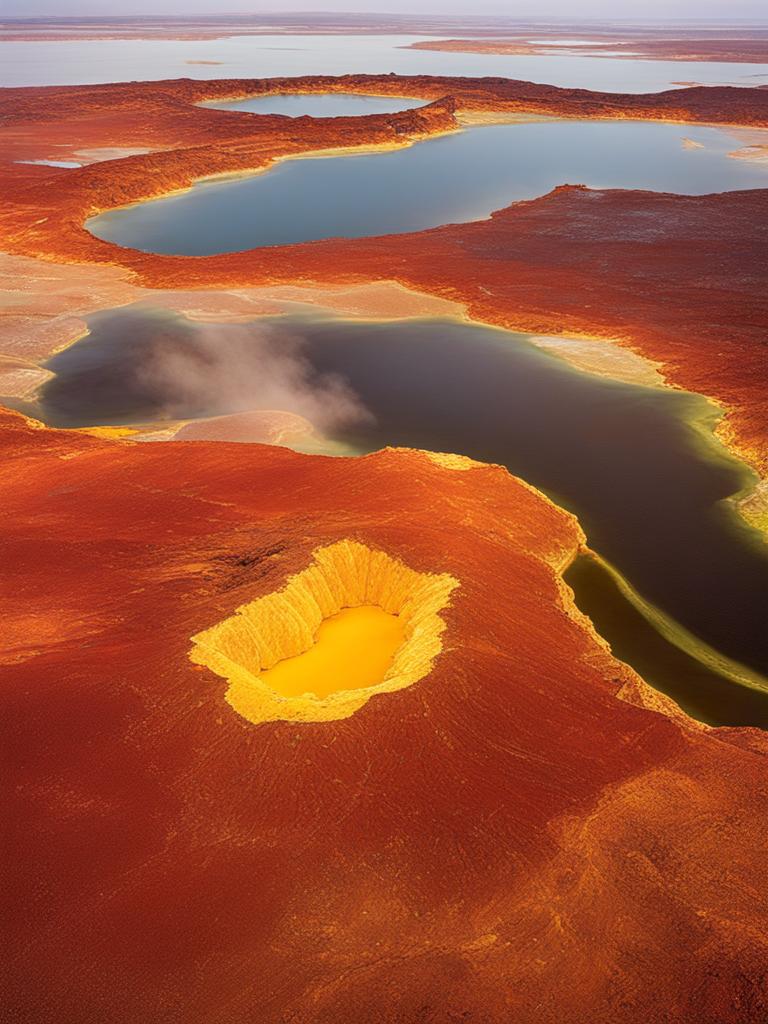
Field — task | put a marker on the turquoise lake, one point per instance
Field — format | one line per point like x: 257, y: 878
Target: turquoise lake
x: 321, y: 105
x: 454, y: 178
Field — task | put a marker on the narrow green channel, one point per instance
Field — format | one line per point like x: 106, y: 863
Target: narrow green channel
x: 701, y: 691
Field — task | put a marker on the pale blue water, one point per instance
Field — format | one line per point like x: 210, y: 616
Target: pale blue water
x: 454, y: 178
x: 91, y: 61
x: 322, y: 105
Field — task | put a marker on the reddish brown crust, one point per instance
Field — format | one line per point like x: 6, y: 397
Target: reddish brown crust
x: 504, y: 840
x: 166, y: 99
x: 689, y: 292
x: 738, y: 50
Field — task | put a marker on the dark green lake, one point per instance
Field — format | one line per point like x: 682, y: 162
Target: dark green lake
x: 638, y: 465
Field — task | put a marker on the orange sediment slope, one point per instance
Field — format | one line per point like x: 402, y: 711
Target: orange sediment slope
x: 506, y: 838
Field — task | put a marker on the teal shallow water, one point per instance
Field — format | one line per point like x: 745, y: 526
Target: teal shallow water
x: 319, y: 105
x: 459, y: 177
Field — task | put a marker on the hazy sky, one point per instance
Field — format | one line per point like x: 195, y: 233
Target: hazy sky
x: 725, y: 10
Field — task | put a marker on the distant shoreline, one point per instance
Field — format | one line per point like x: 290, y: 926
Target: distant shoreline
x: 683, y: 41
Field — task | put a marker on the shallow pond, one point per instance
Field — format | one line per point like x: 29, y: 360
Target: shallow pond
x: 84, y: 62
x: 459, y: 177
x: 638, y: 465
x: 334, y: 104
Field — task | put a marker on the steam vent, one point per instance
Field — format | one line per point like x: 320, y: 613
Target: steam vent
x: 354, y: 623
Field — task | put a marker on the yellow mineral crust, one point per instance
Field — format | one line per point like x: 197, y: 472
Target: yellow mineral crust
x: 459, y: 463
x: 286, y: 623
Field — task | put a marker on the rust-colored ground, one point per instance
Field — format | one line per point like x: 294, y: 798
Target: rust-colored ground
x: 505, y: 840
x: 528, y: 834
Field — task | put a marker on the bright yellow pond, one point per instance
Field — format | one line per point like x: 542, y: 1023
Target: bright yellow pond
x: 353, y: 650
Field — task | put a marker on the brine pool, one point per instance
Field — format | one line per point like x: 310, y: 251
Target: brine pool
x: 638, y: 465
x: 459, y: 177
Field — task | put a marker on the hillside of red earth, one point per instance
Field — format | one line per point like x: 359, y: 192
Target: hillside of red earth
x: 672, y: 276
x: 527, y: 834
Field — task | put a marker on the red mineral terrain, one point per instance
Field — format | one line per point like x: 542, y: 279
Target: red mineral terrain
x: 525, y: 833
x: 514, y: 837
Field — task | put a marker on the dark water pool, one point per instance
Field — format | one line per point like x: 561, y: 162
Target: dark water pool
x: 697, y: 687
x: 638, y: 465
